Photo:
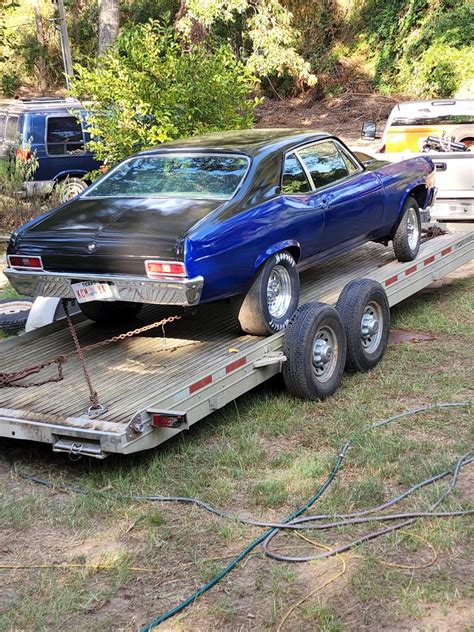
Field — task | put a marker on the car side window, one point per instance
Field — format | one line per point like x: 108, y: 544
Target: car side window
x: 294, y: 179
x: 64, y: 135
x: 351, y: 165
x: 324, y: 163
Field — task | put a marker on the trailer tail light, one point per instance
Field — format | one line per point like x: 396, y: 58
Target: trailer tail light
x: 18, y: 262
x: 160, y: 269
x: 167, y: 420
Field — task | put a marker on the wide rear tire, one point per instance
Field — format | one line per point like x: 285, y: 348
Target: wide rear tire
x: 272, y: 298
x: 315, y: 348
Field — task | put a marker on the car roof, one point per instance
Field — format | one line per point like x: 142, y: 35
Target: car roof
x: 250, y: 142
x: 40, y: 104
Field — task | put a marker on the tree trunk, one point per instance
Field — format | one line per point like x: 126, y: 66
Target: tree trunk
x: 40, y: 38
x: 109, y: 22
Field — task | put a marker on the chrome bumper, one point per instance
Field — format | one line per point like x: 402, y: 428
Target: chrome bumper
x: 125, y: 288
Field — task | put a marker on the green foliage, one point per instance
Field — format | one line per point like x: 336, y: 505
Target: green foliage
x: 418, y: 47
x: 148, y: 89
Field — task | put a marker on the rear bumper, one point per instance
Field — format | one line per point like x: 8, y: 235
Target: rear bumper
x: 126, y: 288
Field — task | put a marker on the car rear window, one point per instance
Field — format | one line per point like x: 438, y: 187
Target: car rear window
x: 64, y: 135
x: 324, y: 163
x: 204, y: 176
x: 11, y: 128
x: 446, y: 119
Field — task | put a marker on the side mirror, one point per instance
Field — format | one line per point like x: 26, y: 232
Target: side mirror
x: 369, y: 130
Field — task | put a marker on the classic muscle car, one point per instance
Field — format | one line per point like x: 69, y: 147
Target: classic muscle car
x: 229, y: 215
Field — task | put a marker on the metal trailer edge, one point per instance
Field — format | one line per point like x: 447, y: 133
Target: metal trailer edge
x: 186, y: 401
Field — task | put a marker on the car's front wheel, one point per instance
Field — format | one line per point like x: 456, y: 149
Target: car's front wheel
x: 406, y: 240
x: 272, y: 298
x: 110, y: 313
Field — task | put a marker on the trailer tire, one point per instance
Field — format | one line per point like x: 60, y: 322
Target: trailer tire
x: 14, y: 314
x: 277, y: 279
x: 365, y: 312
x: 315, y: 348
x: 110, y: 312
x: 406, y: 240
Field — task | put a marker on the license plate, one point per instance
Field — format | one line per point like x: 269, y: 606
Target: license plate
x: 90, y: 291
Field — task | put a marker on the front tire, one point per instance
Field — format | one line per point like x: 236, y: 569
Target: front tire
x: 110, y: 312
x: 272, y: 298
x: 315, y: 348
x: 406, y: 240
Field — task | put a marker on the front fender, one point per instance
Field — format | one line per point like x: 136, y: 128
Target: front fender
x: 282, y: 245
x: 74, y: 173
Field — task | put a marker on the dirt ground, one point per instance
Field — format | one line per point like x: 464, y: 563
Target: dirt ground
x: 342, y: 115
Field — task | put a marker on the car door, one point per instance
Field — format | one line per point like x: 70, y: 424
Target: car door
x: 352, y: 198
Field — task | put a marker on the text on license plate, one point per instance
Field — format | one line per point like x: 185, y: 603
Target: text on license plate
x: 90, y: 291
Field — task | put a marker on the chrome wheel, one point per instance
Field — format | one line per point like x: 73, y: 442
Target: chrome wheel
x: 278, y: 292
x: 325, y: 353
x: 371, y: 327
x: 413, y: 229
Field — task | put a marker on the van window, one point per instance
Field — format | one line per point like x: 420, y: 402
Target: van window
x: 64, y: 135
x: 3, y: 120
x: 11, y: 129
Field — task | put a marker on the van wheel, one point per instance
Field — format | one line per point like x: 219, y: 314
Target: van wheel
x: 406, y: 240
x: 315, y: 350
x: 110, y: 312
x: 365, y: 312
x: 70, y: 187
x: 272, y: 298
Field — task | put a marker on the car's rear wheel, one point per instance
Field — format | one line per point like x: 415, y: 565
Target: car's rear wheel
x: 272, y: 298
x: 406, y: 240
x: 110, y: 313
x: 14, y: 313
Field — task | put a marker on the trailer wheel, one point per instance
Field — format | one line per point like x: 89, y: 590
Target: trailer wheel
x: 365, y: 312
x: 315, y: 348
x: 110, y: 312
x: 14, y: 314
x: 272, y: 298
x: 406, y: 240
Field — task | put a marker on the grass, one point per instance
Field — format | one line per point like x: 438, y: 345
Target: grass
x: 262, y: 456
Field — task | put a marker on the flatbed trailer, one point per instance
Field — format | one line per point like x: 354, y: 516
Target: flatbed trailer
x: 192, y: 367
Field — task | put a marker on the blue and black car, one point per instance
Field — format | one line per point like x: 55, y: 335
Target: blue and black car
x: 52, y: 129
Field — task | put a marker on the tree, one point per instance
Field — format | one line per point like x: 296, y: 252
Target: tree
x: 109, y: 22
x: 147, y: 89
x: 271, y: 36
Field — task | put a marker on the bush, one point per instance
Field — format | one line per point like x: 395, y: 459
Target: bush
x: 418, y: 47
x: 147, y: 89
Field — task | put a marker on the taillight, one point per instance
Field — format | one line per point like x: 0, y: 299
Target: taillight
x: 22, y: 154
x: 160, y: 269
x: 18, y: 262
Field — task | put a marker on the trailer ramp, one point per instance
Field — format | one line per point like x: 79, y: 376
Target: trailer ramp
x: 181, y: 373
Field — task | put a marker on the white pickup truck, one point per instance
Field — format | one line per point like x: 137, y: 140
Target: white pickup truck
x: 405, y: 135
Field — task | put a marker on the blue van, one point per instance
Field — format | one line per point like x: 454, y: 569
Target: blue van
x: 52, y: 128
